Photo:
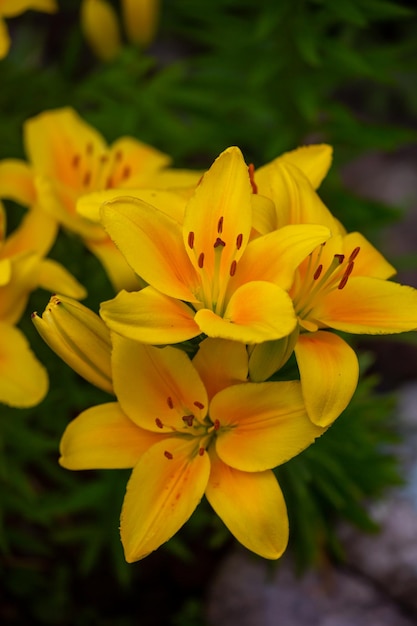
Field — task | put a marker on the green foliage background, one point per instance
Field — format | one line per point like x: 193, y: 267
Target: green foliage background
x: 266, y: 76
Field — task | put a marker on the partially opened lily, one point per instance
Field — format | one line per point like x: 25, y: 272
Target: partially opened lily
x: 204, y: 274
x: 79, y: 337
x: 189, y: 429
x: 342, y: 285
x: 11, y: 8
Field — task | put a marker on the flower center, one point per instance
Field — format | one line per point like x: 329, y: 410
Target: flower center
x: 97, y: 171
x: 193, y: 423
x: 215, y: 266
x: 314, y: 281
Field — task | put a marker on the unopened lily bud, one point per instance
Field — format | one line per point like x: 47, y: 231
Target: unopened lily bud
x: 140, y: 19
x: 79, y: 337
x: 100, y: 26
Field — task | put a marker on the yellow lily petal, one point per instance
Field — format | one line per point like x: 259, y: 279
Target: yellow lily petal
x: 261, y: 425
x: 274, y: 257
x: 53, y: 138
x: 54, y: 277
x: 329, y: 373
x: 5, y: 271
x: 256, y: 312
x: 152, y: 244
x: 115, y: 265
x: 294, y: 197
x: 369, y: 261
x: 59, y: 202
x: 17, y: 182
x: 166, y: 390
x: 314, y: 161
x: 218, y: 218
x: 149, y: 316
x: 140, y: 18
x: 252, y: 507
x: 79, y: 337
x: 221, y: 363
x: 176, y: 179
x: 4, y: 39
x: 370, y: 306
x: 36, y: 233
x: 24, y: 279
x: 100, y: 26
x: 165, y: 487
x: 23, y: 380
x: 104, y: 438
x: 137, y: 162
x: 169, y: 201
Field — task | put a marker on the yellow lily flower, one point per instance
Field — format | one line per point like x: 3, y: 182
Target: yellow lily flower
x: 100, y: 26
x: 68, y: 160
x: 11, y: 8
x: 79, y: 337
x: 189, y: 429
x: 342, y: 285
x: 23, y: 380
x: 204, y: 274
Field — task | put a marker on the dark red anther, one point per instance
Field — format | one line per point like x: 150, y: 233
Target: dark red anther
x: 191, y: 240
x: 198, y: 404
x: 340, y: 258
x: 118, y: 156
x: 159, y: 423
x: 219, y: 242
x: 318, y: 272
x: 87, y: 178
x: 89, y: 148
x: 346, y: 275
x: 188, y: 419
x: 220, y: 225
x: 109, y: 182
x: 126, y: 172
x: 239, y: 240
x: 170, y: 402
x: 232, y: 270
x: 168, y: 455
x: 201, y: 451
x: 75, y: 161
x: 201, y: 260
x: 354, y: 253
x: 104, y: 158
x: 251, y: 170
x: 216, y: 425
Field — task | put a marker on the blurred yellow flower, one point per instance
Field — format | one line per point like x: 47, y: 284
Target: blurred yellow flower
x: 23, y: 380
x: 100, y: 26
x: 189, y: 429
x: 11, y: 8
x: 69, y: 159
x: 140, y: 18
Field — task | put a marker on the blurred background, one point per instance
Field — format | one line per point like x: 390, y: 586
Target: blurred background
x: 267, y: 76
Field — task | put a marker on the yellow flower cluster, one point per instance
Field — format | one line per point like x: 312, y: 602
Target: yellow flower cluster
x: 221, y: 278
